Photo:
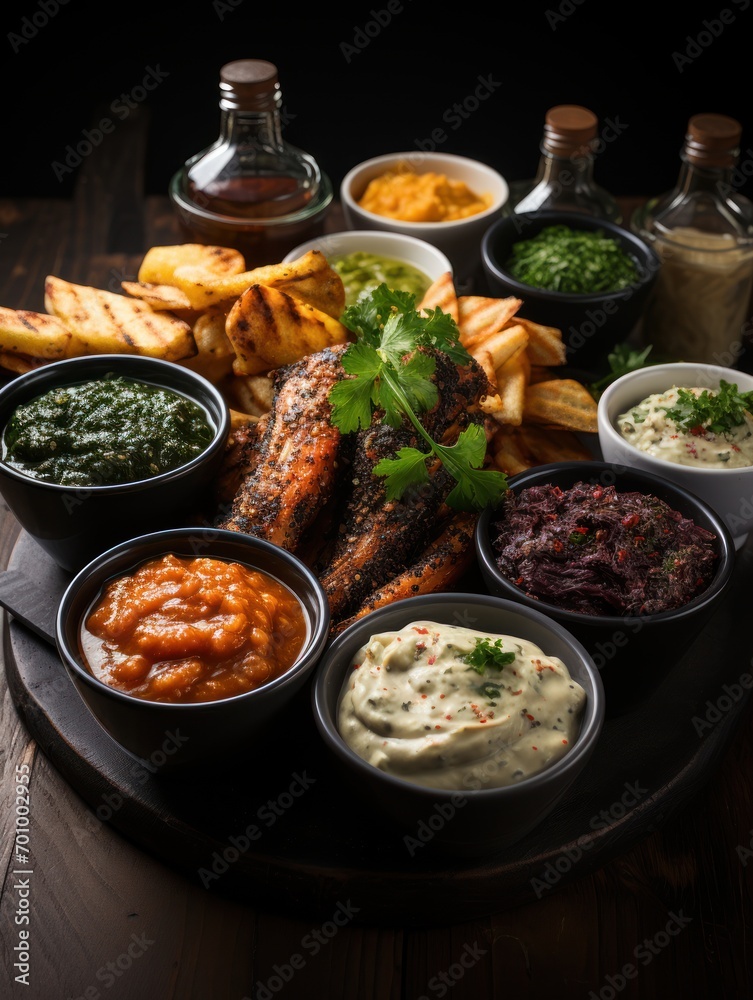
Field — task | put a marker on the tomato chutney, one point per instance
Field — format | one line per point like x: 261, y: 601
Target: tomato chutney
x: 192, y: 629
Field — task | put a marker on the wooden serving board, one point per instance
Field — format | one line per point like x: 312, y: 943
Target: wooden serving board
x: 276, y: 827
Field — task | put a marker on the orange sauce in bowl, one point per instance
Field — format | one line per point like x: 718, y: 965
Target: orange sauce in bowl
x: 192, y: 629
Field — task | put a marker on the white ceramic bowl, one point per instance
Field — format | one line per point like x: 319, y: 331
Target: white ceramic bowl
x: 460, y: 240
x: 395, y: 246
x: 728, y: 491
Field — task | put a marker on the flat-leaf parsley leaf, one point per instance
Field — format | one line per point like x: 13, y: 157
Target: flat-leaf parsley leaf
x: 390, y: 375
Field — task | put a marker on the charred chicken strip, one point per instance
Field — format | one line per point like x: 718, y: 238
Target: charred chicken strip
x: 380, y: 537
x: 439, y: 567
x: 241, y: 455
x: 296, y: 469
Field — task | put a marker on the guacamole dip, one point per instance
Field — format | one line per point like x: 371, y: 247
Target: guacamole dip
x: 362, y: 272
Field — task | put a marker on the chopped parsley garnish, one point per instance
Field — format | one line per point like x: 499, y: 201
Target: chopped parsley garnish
x: 389, y: 374
x: 490, y: 691
x: 718, y: 411
x: 578, y: 261
x: 488, y: 653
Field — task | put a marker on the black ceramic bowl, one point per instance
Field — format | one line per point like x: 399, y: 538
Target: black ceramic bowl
x: 202, y: 731
x: 591, y: 325
x: 633, y: 653
x: 462, y: 821
x: 74, y: 524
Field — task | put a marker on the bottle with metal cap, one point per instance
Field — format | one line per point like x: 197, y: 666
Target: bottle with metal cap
x: 251, y: 189
x: 565, y: 176
x: 702, y: 231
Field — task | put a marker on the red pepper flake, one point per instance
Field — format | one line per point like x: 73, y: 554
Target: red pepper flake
x: 534, y: 748
x: 481, y: 720
x: 621, y: 555
x: 421, y: 646
x: 699, y: 582
x: 630, y: 520
x: 598, y: 493
x: 557, y: 545
x: 442, y: 696
x: 431, y: 660
x: 519, y: 581
x: 448, y: 716
x: 698, y: 431
x: 564, y: 743
x: 580, y: 531
x: 517, y: 692
x: 437, y: 727
x: 640, y: 538
x: 421, y: 631
x: 529, y: 716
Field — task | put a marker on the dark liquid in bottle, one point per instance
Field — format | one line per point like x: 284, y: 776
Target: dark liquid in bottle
x: 258, y: 197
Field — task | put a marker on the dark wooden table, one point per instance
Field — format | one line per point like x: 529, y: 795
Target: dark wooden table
x: 672, y: 917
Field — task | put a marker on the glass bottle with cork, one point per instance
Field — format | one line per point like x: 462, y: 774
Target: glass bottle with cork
x: 702, y: 231
x: 250, y: 189
x: 565, y: 176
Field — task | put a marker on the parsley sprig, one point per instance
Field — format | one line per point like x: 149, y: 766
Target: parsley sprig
x: 718, y: 411
x: 488, y: 653
x: 622, y: 359
x: 388, y: 374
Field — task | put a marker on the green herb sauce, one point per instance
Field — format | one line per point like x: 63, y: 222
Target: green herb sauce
x: 103, y: 432
x: 362, y: 272
x: 578, y: 261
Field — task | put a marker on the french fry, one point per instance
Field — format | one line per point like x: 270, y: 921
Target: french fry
x: 549, y: 445
x: 480, y: 317
x: 512, y: 381
x: 501, y: 345
x: 561, y: 403
x: 441, y: 294
x: 509, y: 454
x: 545, y: 344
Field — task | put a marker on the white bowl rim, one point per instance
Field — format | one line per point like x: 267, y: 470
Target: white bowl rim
x: 378, y: 235
x: 663, y: 465
x: 453, y: 158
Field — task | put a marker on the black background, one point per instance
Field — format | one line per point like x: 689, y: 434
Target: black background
x: 353, y: 88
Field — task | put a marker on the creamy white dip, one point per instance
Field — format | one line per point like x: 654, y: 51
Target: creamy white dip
x: 647, y: 427
x: 413, y: 707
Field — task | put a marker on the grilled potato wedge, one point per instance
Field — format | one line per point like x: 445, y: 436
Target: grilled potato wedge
x: 269, y: 328
x: 103, y: 322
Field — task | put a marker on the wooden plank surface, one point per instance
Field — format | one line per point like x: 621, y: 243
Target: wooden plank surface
x: 671, y: 918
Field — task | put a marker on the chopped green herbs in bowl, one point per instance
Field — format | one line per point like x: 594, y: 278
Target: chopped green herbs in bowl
x: 564, y: 259
x: 590, y: 278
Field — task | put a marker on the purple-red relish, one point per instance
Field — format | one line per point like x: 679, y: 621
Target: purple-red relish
x: 597, y: 551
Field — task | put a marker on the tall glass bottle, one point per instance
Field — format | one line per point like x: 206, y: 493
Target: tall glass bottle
x: 250, y: 189
x: 565, y: 176
x: 702, y: 231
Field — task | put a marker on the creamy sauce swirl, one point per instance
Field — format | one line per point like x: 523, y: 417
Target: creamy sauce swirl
x: 648, y: 427
x: 414, y: 707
